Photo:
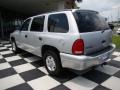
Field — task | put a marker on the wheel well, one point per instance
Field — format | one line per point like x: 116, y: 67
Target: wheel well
x: 47, y: 47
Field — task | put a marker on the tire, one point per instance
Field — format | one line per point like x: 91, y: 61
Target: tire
x: 14, y: 46
x: 52, y: 59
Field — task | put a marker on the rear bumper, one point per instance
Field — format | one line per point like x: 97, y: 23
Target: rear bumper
x: 83, y: 62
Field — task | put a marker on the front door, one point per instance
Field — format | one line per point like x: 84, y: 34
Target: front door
x: 23, y: 35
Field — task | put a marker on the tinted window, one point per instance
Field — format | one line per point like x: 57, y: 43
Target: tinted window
x: 25, y: 25
x: 90, y: 21
x: 58, y: 23
x: 38, y: 24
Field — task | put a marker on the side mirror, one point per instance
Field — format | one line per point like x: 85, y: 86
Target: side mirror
x: 111, y: 26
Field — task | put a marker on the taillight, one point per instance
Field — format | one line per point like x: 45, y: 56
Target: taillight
x: 78, y: 47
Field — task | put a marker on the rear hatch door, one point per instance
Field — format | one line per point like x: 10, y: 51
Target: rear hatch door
x: 94, y: 31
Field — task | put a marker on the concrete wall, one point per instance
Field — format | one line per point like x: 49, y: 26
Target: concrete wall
x: 67, y: 4
x: 8, y: 16
x: 61, y: 5
x: 1, y: 26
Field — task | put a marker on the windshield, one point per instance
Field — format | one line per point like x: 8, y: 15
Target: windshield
x: 89, y: 21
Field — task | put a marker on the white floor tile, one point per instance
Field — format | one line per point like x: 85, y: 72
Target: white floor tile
x: 5, y: 52
x: 43, y: 69
x: 43, y: 83
x: 116, y: 53
x: 23, y: 68
x: 1, y: 57
x: 8, y: 45
x: 10, y: 81
x: 117, y: 59
x: 13, y: 58
x: 112, y: 83
x: 10, y: 48
x: 1, y: 48
x: 80, y: 83
x: 108, y: 69
x: 4, y: 66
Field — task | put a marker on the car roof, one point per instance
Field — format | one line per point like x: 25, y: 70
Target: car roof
x: 72, y: 10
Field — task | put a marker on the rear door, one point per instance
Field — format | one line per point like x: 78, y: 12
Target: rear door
x: 23, y: 34
x: 94, y: 31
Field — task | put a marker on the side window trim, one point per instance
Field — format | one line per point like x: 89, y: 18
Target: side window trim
x: 30, y: 24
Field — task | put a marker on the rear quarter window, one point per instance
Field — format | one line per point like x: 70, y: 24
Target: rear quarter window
x: 58, y: 23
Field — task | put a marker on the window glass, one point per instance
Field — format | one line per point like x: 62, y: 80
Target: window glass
x: 58, y: 23
x: 25, y: 25
x: 90, y: 21
x: 38, y: 24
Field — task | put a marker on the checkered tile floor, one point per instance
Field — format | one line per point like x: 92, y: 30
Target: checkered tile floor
x: 25, y: 71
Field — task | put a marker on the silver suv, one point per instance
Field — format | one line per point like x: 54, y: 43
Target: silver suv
x: 76, y: 39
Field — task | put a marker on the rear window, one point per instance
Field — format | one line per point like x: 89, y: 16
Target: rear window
x: 90, y: 21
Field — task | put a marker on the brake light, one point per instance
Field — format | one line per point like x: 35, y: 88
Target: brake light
x: 78, y: 47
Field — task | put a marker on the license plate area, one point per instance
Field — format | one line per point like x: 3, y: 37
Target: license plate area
x: 104, y: 57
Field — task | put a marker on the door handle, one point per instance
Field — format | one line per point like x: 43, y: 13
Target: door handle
x: 40, y: 38
x: 26, y: 36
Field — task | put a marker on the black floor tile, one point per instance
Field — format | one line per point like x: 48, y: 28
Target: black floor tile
x: 37, y: 64
x: 17, y: 62
x: 9, y: 55
x: 2, y: 60
x: 4, y: 50
x: 117, y: 74
x: 96, y: 76
x: 60, y: 87
x: 66, y: 76
x: 7, y: 72
x: 25, y: 54
x: 24, y: 86
x: 9, y: 46
x: 101, y: 88
x: 114, y: 63
x: 32, y: 74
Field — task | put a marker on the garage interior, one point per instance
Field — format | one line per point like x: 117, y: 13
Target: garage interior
x: 13, y: 12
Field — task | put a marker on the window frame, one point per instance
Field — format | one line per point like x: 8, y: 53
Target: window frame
x: 77, y: 13
x: 24, y: 23
x: 32, y: 22
x: 57, y: 14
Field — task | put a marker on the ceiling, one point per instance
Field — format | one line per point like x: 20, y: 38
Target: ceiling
x: 30, y: 6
